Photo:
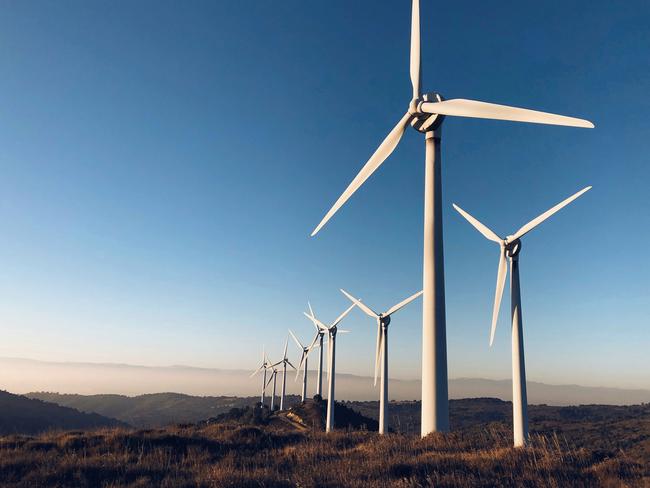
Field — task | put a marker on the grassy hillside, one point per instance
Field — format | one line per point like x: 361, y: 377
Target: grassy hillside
x: 19, y: 414
x: 608, y: 427
x: 229, y: 454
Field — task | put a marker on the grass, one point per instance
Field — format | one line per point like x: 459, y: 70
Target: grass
x: 230, y: 454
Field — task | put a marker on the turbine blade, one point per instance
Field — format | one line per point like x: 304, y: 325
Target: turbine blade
x: 318, y: 323
x: 270, y: 379
x: 483, y: 229
x: 415, y: 48
x: 403, y: 303
x: 501, y: 281
x: 286, y: 345
x: 314, y: 343
x: 300, y: 346
x: 383, y: 151
x: 256, y: 371
x: 361, y: 305
x: 340, y: 317
x: 342, y: 331
x: 302, y: 361
x: 471, y: 108
x: 535, y: 222
x: 289, y: 363
x: 311, y: 311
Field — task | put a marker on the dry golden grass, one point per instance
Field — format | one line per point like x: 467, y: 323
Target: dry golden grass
x: 231, y: 455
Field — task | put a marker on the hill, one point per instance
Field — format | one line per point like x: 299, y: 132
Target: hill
x: 152, y: 410
x: 19, y: 414
x: 232, y: 454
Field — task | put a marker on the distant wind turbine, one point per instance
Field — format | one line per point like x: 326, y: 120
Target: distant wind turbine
x: 274, y: 374
x: 319, y: 336
x: 284, y: 361
x: 304, y: 352
x: 331, y: 330
x: 425, y: 114
x: 263, y: 367
x: 510, y: 247
x: 383, y: 319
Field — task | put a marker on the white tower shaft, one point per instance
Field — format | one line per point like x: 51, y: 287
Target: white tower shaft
x: 263, y: 387
x: 319, y: 383
x: 284, y: 384
x: 435, y: 402
x: 329, y: 425
x: 383, y: 399
x: 304, y: 381
x: 275, y: 375
x: 519, y: 398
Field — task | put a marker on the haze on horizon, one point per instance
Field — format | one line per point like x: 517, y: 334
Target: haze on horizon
x: 162, y: 168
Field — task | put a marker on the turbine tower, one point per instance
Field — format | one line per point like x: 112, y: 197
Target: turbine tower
x: 305, y: 350
x: 383, y: 319
x: 319, y: 335
x: 273, y: 377
x: 426, y: 113
x: 510, y: 249
x: 331, y: 330
x: 284, y: 361
x: 263, y: 367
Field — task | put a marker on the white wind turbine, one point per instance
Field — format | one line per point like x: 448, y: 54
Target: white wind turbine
x: 331, y: 330
x: 263, y: 367
x: 305, y: 350
x: 274, y: 374
x: 425, y: 114
x: 383, y: 319
x: 284, y: 361
x: 319, y: 336
x: 510, y: 249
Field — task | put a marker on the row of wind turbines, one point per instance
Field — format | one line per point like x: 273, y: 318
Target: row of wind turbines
x: 426, y: 113
x: 381, y: 358
x: 510, y: 248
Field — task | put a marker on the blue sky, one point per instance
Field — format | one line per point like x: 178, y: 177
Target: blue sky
x: 163, y: 165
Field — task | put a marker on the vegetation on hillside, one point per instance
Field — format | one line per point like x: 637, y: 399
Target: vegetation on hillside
x: 229, y: 454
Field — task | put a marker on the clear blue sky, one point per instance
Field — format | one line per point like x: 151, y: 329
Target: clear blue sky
x: 163, y: 163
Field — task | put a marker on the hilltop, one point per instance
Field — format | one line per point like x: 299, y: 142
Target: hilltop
x: 590, y: 446
x: 19, y: 414
x: 230, y: 453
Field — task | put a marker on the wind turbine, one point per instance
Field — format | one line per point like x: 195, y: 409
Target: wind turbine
x: 319, y: 336
x: 426, y: 113
x: 305, y: 350
x: 510, y: 249
x: 284, y: 361
x: 383, y: 319
x: 263, y: 367
x: 273, y: 378
x: 331, y: 330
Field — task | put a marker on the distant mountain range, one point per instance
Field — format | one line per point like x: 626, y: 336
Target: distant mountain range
x: 24, y: 375
x: 22, y: 415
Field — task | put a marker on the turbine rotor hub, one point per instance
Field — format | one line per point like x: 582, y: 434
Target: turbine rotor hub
x: 422, y: 121
x: 513, y: 248
x: 384, y: 320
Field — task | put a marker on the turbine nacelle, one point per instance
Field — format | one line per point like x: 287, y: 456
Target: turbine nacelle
x: 384, y: 320
x: 512, y: 247
x: 423, y: 121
